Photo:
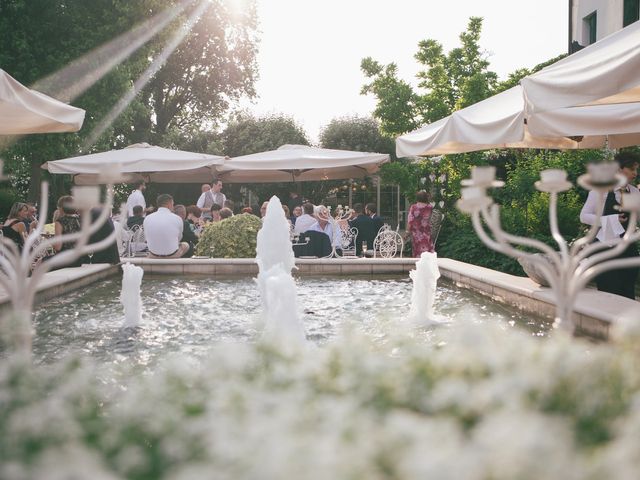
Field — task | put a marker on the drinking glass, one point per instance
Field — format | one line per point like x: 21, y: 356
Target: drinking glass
x: 364, y: 248
x: 90, y: 255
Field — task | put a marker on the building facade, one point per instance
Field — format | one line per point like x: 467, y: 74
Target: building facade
x: 592, y: 20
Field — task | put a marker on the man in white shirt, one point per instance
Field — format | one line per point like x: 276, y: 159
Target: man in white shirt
x: 163, y: 231
x: 304, y: 221
x: 622, y: 281
x: 137, y: 198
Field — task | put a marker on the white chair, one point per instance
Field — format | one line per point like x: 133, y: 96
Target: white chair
x: 437, y: 217
x: 135, y: 243
x: 387, y: 243
x: 347, y: 241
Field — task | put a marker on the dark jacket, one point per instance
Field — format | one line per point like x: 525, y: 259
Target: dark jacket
x: 366, y: 231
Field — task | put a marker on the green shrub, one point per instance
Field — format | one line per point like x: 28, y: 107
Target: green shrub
x: 7, y: 199
x: 233, y: 237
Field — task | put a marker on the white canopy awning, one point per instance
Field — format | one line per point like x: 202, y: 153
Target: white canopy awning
x: 499, y: 122
x: 24, y: 111
x: 140, y: 161
x: 606, y: 72
x: 300, y: 163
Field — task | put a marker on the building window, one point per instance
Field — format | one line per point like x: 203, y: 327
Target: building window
x: 589, y: 24
x: 631, y: 12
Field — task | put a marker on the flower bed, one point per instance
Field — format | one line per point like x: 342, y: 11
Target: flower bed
x: 483, y: 404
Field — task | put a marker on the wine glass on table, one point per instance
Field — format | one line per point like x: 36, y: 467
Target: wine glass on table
x: 90, y: 255
x: 364, y: 248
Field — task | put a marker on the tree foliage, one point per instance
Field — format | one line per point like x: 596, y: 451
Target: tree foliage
x: 356, y: 133
x: 246, y: 134
x: 213, y: 66
x: 447, y: 82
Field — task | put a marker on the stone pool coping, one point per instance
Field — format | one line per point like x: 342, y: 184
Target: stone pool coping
x: 64, y: 280
x: 594, y: 314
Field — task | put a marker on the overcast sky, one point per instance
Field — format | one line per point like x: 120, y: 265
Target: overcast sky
x: 310, y: 50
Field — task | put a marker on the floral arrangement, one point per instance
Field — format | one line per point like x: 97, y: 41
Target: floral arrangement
x: 233, y: 237
x: 476, y: 402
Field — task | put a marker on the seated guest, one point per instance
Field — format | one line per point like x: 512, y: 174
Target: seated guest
x: 230, y: 205
x: 137, y: 217
x: 194, y: 217
x: 188, y: 234
x: 248, y: 210
x: 226, y: 213
x: 263, y: 209
x: 304, y: 221
x: 325, y: 226
x: 108, y: 254
x: 215, y: 213
x: 297, y: 211
x: 366, y: 228
x: 163, y: 231
x: 287, y: 215
x: 30, y: 221
x: 14, y: 227
x: 68, y: 221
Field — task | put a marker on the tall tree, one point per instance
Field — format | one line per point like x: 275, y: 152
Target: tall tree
x: 212, y: 67
x: 356, y: 133
x: 246, y: 134
x: 448, y: 82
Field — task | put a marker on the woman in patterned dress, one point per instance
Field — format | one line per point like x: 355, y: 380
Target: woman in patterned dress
x: 419, y: 224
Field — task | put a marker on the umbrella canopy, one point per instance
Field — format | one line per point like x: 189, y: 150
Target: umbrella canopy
x: 140, y: 161
x: 25, y: 111
x: 499, y: 122
x: 606, y: 72
x: 300, y: 163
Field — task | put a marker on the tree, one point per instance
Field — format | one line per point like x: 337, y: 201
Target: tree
x: 247, y: 134
x: 449, y: 82
x: 212, y: 67
x: 356, y: 133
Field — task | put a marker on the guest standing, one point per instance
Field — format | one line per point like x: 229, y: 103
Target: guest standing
x: 137, y: 198
x: 623, y: 281
x: 419, y: 224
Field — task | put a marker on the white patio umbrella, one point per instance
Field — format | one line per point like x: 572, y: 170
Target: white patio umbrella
x: 300, y: 163
x: 140, y: 161
x: 605, y: 73
x: 499, y: 122
x: 24, y: 111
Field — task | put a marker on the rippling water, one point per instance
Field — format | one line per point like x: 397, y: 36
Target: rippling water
x: 188, y: 314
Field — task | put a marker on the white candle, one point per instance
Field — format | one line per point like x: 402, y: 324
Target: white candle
x: 630, y: 202
x: 553, y: 175
x: 473, y: 193
x: 483, y: 175
x: 603, y: 173
x: 85, y: 198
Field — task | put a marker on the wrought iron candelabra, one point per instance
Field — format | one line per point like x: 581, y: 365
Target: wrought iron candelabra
x: 21, y: 271
x: 571, y: 267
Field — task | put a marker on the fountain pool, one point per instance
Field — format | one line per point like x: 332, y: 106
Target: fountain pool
x: 190, y: 313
